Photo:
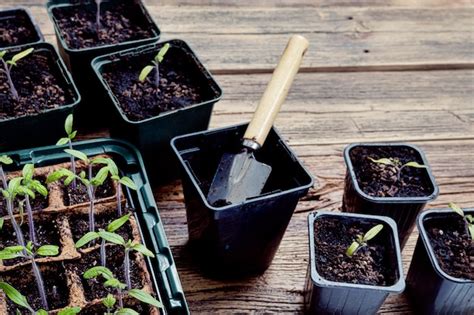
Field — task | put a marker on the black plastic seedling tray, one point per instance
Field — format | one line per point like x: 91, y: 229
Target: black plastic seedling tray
x: 20, y: 13
x: 79, y: 60
x: 432, y: 290
x: 45, y: 127
x: 152, y: 136
x: 238, y: 239
x: 162, y: 268
x: 403, y: 210
x: 328, y: 297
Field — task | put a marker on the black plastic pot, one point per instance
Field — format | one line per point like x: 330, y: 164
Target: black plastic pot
x: 328, y: 297
x: 152, y: 136
x: 402, y: 209
x: 432, y: 290
x: 238, y: 239
x: 91, y: 112
x: 19, y: 13
x: 43, y: 128
x: 162, y: 268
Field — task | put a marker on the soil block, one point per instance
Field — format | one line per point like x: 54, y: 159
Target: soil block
x: 373, y: 188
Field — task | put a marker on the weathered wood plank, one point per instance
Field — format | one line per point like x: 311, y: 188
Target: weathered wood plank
x: 344, y: 39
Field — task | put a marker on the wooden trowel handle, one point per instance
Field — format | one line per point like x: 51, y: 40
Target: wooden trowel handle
x: 276, y: 91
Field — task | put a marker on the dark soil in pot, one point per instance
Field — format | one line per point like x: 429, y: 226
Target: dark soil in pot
x: 36, y: 80
x: 94, y: 288
x: 379, y: 180
x: 370, y: 265
x: 55, y: 283
x: 120, y: 22
x: 46, y: 233
x: 452, y: 246
x: 17, y: 30
x: 178, y: 87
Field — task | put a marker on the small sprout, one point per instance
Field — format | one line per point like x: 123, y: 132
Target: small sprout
x: 70, y: 310
x: 126, y: 181
x: 71, y: 134
x: 9, y: 64
x: 4, y: 159
x: 156, y: 65
x: 361, y: 241
x: 97, y: 17
x: 468, y: 219
x: 395, y: 163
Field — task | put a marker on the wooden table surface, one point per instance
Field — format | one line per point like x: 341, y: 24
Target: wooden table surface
x: 392, y: 71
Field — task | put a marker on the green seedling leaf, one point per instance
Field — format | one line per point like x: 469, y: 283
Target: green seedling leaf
x: 470, y: 227
x: 15, y: 296
x: 2, y: 221
x: 101, y: 176
x: 28, y: 171
x: 72, y: 135
x: 145, y: 72
x: 144, y: 297
x: 2, y: 54
x: 352, y: 249
x: 22, y: 190
x: 415, y: 164
x: 21, y: 55
x: 161, y: 54
x: 62, y: 141
x: 14, y: 183
x: 11, y: 252
x: 40, y: 188
x: 88, y: 237
x: 112, y: 237
x: 29, y: 246
x: 114, y: 283
x: 5, y: 159
x: 382, y: 161
x: 142, y: 249
x: 100, y: 160
x: 68, y: 124
x: 70, y: 311
x: 113, y: 169
x: 48, y: 250
x: 116, y: 224
x: 456, y: 209
x: 468, y: 217
x: 109, y: 301
x: 94, y: 272
x: 77, y: 154
x: 126, y: 311
x: 58, y: 174
x: 372, y: 232
x: 41, y: 312
x: 128, y: 182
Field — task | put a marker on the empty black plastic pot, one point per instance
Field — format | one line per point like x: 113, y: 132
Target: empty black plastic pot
x: 432, y: 290
x: 45, y: 127
x: 91, y: 111
x: 20, y: 15
x: 403, y: 210
x: 238, y: 239
x: 328, y: 297
x: 152, y: 136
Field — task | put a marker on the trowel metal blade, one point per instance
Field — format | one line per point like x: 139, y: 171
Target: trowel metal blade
x: 238, y: 177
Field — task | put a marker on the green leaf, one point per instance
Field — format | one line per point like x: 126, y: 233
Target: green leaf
x: 14, y: 183
x: 11, y: 252
x: 100, y: 160
x: 142, y: 249
x: 77, y: 154
x: 415, y: 164
x: 40, y: 188
x: 5, y: 159
x: 161, y: 54
x: 94, y: 272
x: 48, y: 250
x: 88, y: 237
x: 62, y: 141
x: 28, y: 171
x: 70, y: 311
x: 113, y: 167
x: 456, y: 208
x: 68, y: 124
x: 10, y: 62
x: 112, y: 237
x: 468, y: 217
x: 5, y: 194
x: 382, y: 161
x: 15, y: 296
x: 352, y: 249
x: 22, y: 190
x: 372, y: 232
x: 2, y: 54
x: 22, y: 55
x: 42, y: 312
x: 58, y: 174
x: 144, y: 297
x: 470, y: 227
x: 2, y: 221
x: 145, y: 72
x: 128, y: 182
x: 69, y: 180
x: 114, y: 283
x: 116, y: 224
x: 109, y: 301
x: 29, y: 246
x: 72, y: 135
x: 126, y: 311
x: 100, y: 177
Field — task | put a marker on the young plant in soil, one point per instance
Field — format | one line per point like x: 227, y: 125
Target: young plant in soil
x: 361, y: 240
x: 17, y: 298
x: 29, y: 253
x: 124, y: 180
x: 68, y: 140
x: 9, y: 64
x: 10, y: 194
x: 28, y: 188
x: 97, y: 16
x: 468, y: 220
x: 156, y: 65
x: 4, y: 159
x: 112, y: 282
x: 106, y: 236
x: 397, y: 165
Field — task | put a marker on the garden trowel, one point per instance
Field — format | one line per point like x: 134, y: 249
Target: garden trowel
x: 240, y: 176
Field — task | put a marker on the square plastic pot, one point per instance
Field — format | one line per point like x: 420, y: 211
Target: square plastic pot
x: 43, y: 128
x: 432, y: 290
x: 91, y: 112
x: 152, y: 136
x: 238, y: 239
x: 162, y: 268
x: 328, y: 297
x: 17, y: 13
x: 403, y: 210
